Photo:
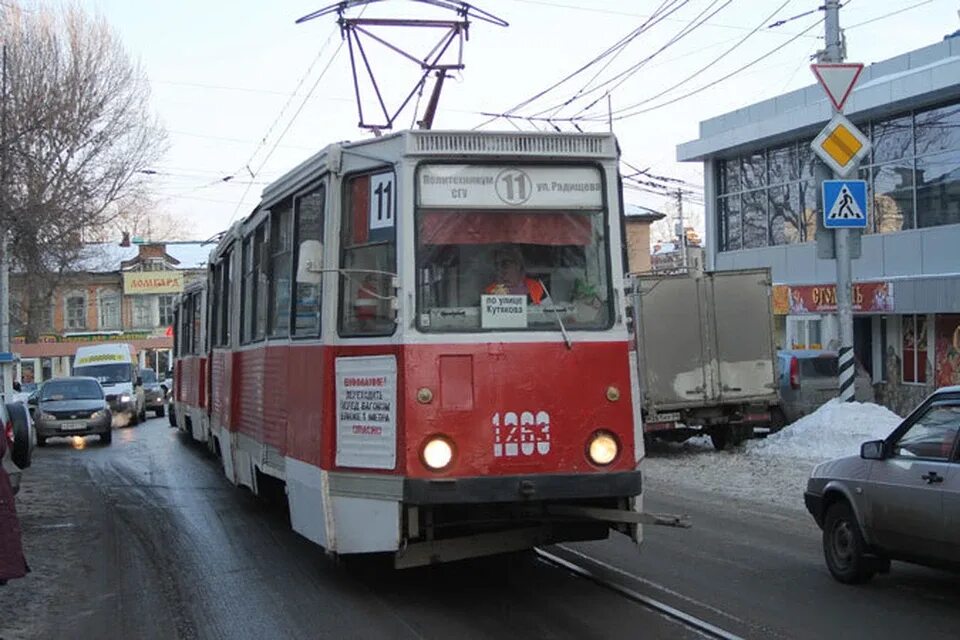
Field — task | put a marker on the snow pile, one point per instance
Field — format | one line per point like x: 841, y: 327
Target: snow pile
x: 834, y: 430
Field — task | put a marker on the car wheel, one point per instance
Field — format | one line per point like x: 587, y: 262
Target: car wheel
x: 20, y: 452
x: 160, y: 411
x: 143, y: 414
x: 106, y: 437
x: 843, y: 546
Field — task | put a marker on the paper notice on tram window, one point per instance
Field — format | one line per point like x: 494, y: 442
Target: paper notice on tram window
x: 503, y: 312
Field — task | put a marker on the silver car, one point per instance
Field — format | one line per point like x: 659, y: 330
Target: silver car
x: 73, y: 406
x: 898, y: 500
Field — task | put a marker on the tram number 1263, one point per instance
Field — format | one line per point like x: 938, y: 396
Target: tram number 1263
x: 523, y: 434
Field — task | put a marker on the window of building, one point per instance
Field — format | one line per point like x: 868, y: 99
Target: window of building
x: 368, y: 256
x: 143, y: 315
x: 805, y: 333
x: 166, y: 304
x: 108, y: 309
x: 153, y: 264
x: 308, y: 248
x: 280, y: 285
x: 914, y: 333
x: 938, y: 188
x: 75, y: 311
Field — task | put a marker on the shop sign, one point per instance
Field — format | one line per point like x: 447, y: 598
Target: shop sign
x: 868, y: 297
x: 141, y: 283
x: 52, y: 338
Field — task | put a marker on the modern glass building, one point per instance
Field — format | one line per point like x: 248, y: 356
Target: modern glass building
x: 762, y: 184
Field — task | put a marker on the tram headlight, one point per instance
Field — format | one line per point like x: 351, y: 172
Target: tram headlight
x: 437, y: 453
x: 603, y: 448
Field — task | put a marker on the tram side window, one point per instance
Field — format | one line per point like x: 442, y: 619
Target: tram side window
x: 308, y: 245
x: 261, y: 257
x: 247, y: 295
x: 196, y: 333
x: 368, y: 256
x: 221, y: 292
x: 280, y: 242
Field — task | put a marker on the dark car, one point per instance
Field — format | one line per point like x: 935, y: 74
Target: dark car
x: 70, y: 407
x: 808, y: 378
x: 898, y: 500
x: 154, y: 392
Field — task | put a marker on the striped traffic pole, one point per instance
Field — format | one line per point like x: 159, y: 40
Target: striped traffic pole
x: 847, y: 374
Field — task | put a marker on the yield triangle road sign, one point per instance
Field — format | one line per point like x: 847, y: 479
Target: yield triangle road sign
x: 837, y: 80
x: 844, y: 203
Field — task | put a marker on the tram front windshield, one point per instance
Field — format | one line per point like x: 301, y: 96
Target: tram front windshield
x: 519, y: 248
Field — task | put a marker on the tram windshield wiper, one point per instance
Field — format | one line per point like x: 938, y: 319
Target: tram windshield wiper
x: 563, y: 329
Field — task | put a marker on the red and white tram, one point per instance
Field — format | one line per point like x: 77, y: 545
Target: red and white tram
x: 423, y: 336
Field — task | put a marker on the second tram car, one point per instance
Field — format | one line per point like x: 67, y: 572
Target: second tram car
x: 423, y: 337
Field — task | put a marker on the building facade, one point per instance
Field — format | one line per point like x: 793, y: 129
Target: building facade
x: 637, y: 221
x: 762, y: 183
x: 118, y: 293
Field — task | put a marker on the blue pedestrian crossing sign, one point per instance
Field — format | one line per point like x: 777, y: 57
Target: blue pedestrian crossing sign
x: 844, y: 204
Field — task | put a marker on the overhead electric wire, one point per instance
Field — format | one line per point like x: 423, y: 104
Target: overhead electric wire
x: 709, y: 64
x: 610, y: 50
x: 887, y: 15
x: 766, y: 55
x: 583, y: 91
x: 621, y: 77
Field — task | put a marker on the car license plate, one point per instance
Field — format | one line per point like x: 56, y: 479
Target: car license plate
x: 673, y: 416
x: 73, y: 426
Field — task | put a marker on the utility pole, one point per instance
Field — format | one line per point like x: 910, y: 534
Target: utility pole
x: 841, y: 237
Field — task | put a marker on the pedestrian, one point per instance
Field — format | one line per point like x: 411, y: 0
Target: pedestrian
x: 12, y: 562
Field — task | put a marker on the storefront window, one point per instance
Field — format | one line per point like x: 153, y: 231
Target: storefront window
x: 914, y: 332
x: 785, y: 214
x: 730, y: 223
x: 893, y: 196
x: 755, y: 219
x: 947, y: 350
x: 938, y: 130
x: 938, y: 189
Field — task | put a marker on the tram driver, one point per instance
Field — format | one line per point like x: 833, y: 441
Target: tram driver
x: 511, y: 277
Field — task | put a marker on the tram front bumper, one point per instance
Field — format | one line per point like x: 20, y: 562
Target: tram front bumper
x: 489, y: 489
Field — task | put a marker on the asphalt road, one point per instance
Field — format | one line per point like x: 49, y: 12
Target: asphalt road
x: 146, y: 539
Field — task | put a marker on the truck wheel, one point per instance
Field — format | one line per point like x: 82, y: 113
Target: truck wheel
x: 843, y: 546
x: 720, y: 437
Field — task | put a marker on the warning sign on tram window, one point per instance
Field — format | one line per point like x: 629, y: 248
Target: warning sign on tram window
x: 503, y: 311
x: 367, y: 412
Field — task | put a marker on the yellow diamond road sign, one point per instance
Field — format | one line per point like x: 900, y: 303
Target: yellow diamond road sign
x: 841, y: 145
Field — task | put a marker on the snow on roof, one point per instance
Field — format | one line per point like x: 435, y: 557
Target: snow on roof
x: 834, y: 430
x: 108, y: 256
x: 639, y: 211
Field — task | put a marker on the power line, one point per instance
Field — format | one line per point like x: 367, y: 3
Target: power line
x: 887, y: 15
x: 620, y: 43
x: 709, y: 64
x: 625, y: 75
x: 718, y: 80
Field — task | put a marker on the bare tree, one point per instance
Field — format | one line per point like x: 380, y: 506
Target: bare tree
x: 79, y: 129
x: 140, y: 217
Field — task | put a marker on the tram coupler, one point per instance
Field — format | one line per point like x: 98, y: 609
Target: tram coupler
x: 619, y: 515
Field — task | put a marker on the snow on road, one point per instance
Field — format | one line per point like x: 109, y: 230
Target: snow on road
x: 773, y: 470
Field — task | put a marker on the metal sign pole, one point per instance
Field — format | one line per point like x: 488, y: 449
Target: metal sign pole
x: 841, y: 236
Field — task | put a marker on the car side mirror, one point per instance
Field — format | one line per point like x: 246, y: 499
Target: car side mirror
x: 872, y: 450
x: 32, y: 401
x: 139, y: 382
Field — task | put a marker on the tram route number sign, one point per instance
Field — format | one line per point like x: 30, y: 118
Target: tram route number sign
x: 366, y: 412
x: 466, y: 186
x: 383, y: 206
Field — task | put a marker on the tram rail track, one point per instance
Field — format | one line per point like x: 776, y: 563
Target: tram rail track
x: 581, y: 570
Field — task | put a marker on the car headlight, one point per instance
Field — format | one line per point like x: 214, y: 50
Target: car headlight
x: 47, y: 416
x: 125, y: 398
x: 603, y: 448
x: 437, y: 453
x: 102, y: 413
